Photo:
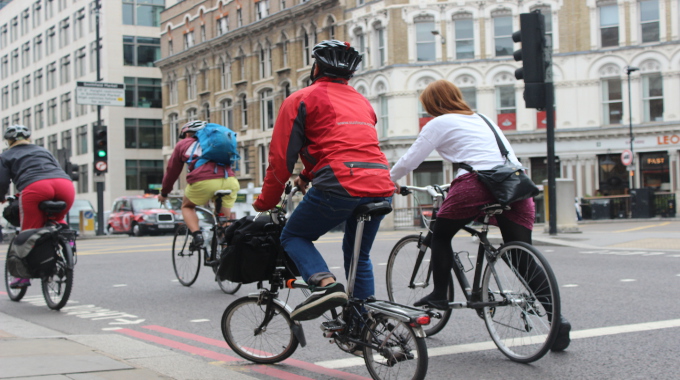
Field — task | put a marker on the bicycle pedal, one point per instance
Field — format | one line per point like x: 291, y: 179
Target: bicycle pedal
x: 212, y: 263
x: 332, y: 326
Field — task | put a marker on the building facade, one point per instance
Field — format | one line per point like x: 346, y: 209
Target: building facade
x: 46, y: 46
x: 236, y: 61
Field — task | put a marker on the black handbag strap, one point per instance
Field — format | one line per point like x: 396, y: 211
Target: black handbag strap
x: 499, y: 142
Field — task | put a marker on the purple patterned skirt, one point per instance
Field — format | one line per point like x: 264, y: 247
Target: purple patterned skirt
x: 467, y: 194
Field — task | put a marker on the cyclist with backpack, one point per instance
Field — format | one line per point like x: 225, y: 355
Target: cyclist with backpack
x: 37, y: 176
x: 332, y: 128
x: 208, y: 150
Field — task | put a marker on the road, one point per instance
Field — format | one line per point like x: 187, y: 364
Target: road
x: 622, y: 303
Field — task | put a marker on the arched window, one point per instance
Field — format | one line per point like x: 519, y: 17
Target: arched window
x: 244, y: 112
x: 267, y: 109
x: 205, y: 112
x: 191, y: 114
x: 227, y: 113
x: 173, y: 123
x: 306, y: 49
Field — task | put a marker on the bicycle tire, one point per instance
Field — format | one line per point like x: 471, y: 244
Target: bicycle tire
x: 183, y: 258
x: 522, y: 330
x: 14, y: 294
x: 395, y: 358
x: 241, y: 319
x: 56, y: 287
x: 400, y: 267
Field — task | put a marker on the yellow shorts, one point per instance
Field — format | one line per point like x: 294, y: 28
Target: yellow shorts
x: 199, y: 193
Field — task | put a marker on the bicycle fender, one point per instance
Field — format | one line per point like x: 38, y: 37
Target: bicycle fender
x: 296, y: 328
x: 69, y: 255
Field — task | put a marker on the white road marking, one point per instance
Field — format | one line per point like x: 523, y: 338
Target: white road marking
x: 482, y: 346
x: 175, y: 280
x: 334, y: 268
x: 200, y: 320
x: 119, y: 285
x: 111, y: 328
x: 570, y: 285
x: 548, y: 250
x: 628, y: 280
x: 382, y: 264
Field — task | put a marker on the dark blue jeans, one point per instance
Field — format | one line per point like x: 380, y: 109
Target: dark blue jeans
x: 317, y: 214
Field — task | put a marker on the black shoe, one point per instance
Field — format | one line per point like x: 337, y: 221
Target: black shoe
x: 197, y: 243
x: 322, y: 299
x: 563, y: 340
x: 431, y: 301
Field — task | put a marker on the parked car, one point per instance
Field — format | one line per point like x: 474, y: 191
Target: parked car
x: 142, y: 214
x: 74, y: 213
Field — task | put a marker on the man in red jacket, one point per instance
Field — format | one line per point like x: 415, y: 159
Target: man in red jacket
x: 203, y: 180
x: 332, y: 128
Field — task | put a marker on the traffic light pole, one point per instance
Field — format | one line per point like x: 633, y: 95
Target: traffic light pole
x: 550, y: 137
x: 100, y: 185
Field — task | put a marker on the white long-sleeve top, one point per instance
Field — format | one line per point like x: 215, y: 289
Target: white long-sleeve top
x: 458, y: 139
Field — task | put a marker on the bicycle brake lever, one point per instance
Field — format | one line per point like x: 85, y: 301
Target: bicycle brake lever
x: 404, y: 191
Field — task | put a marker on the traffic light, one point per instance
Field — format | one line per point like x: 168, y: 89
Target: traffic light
x: 100, y: 149
x: 535, y: 57
x: 72, y: 171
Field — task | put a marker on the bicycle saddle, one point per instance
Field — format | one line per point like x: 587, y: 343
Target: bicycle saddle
x: 373, y: 209
x: 494, y: 209
x: 221, y: 193
x: 52, y: 206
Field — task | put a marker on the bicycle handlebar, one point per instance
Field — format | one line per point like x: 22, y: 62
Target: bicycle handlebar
x: 434, y: 190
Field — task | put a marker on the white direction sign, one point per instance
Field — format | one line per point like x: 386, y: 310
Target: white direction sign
x: 627, y: 157
x: 100, y: 94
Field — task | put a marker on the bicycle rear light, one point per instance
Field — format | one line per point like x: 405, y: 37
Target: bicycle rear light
x: 423, y: 320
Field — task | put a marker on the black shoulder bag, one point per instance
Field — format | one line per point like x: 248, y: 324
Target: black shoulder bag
x: 508, y: 182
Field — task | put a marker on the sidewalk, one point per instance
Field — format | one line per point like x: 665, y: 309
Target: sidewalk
x: 30, y: 351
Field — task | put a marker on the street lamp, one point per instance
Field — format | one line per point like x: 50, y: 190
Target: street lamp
x: 630, y: 69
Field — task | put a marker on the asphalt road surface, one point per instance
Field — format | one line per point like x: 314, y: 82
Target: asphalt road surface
x: 623, y: 306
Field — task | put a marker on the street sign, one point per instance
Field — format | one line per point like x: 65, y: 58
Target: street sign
x: 627, y: 157
x: 101, y: 166
x: 100, y: 94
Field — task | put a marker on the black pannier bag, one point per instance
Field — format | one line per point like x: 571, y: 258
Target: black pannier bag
x: 253, y: 248
x: 11, y: 214
x: 33, y: 253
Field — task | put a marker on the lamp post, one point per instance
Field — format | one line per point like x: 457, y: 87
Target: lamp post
x: 631, y: 174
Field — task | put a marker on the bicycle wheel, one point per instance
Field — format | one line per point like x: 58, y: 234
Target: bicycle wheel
x: 57, y: 287
x: 242, y: 329
x: 393, y: 350
x: 522, y: 329
x: 14, y: 294
x: 400, y: 266
x: 187, y: 263
x: 226, y: 285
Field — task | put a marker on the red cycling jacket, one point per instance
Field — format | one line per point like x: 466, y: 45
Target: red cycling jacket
x: 332, y: 128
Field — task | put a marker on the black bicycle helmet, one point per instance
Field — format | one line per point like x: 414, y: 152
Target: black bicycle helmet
x: 192, y: 126
x: 15, y: 132
x: 336, y: 59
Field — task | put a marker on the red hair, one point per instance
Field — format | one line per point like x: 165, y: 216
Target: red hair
x: 441, y: 97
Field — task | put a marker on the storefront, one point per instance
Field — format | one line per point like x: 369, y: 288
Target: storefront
x: 655, y: 171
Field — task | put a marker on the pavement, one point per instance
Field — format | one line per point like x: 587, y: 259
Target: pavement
x: 30, y: 351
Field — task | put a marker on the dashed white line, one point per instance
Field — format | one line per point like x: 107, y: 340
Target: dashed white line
x: 570, y: 285
x: 199, y: 320
x: 628, y: 280
x: 382, y: 264
x: 111, y: 328
x: 119, y: 285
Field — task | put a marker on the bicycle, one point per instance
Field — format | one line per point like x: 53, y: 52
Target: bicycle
x: 388, y: 335
x: 56, y: 282
x: 184, y: 258
x: 517, y: 296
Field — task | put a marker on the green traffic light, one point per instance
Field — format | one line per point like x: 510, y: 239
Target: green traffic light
x: 101, y: 153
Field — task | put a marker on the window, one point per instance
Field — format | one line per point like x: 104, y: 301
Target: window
x: 502, y: 31
x: 306, y: 50
x: 331, y: 28
x: 5, y: 124
x: 384, y: 119
x: 65, y: 69
x: 191, y: 84
x: 609, y: 25
x: 15, y: 118
x: 83, y: 179
x: 239, y: 18
x: 40, y: 142
x: 143, y: 174
x: 547, y: 13
x: 227, y: 113
x: 66, y: 106
x: 24, y: 21
x: 244, y: 112
x: 171, y: 50
x: 64, y: 26
x: 141, y: 51
x: 191, y: 114
x: 93, y: 56
x: 52, y: 111
x: 14, y: 61
x: 612, y: 101
x: 49, y: 9
x: 264, y: 161
x: 539, y: 169
x: 284, y: 52
x: 223, y: 25
x: 26, y: 119
x: 52, y: 141
x: 262, y: 9
x: 39, y: 117
x: 360, y: 45
x: 173, y: 122
x: 81, y: 109
x: 649, y: 20
x: 203, y: 37
x: 5, y: 97
x: 92, y: 16
x: 242, y: 65
x: 142, y: 92
x: 505, y: 107
x: 188, y: 40
x: 205, y: 83
x: 81, y: 139
x: 37, y: 10
x: 14, y: 29
x: 62, y: 5
x: 245, y: 163
x: 283, y: 4
x: 464, y: 36
x: 25, y: 55
x: 143, y: 12
x: 265, y: 62
x: 3, y: 36
x: 205, y: 112
x: 50, y: 43
x: 172, y: 90
x: 37, y: 47
x: 225, y: 75
x: 66, y: 141
x: 425, y: 47
x: 26, y: 88
x: 4, y: 67
x: 78, y: 24
x: 470, y: 96
x: 382, y: 55
x: 143, y: 134
x: 79, y: 58
x: 15, y: 93
x: 652, y: 97
x: 267, y: 109
x: 51, y: 76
